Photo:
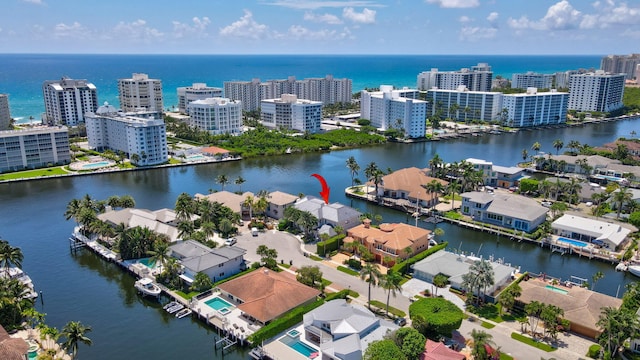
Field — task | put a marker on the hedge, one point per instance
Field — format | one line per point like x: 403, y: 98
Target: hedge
x: 324, y: 247
x: 291, y: 318
x: 402, y: 266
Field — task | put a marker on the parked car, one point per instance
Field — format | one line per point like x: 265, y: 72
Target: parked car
x: 254, y: 231
x: 231, y: 241
x: 400, y: 321
x: 546, y: 203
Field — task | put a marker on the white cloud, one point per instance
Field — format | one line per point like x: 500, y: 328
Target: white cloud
x: 464, y: 19
x: 493, y: 17
x: 37, y: 2
x: 198, y: 27
x: 312, y: 5
x: 469, y: 33
x: 560, y: 16
x: 455, y: 3
x: 609, y: 14
x: 367, y: 16
x: 631, y: 33
x: 75, y: 30
x: 137, y: 31
x: 300, y: 32
x: 325, y: 18
x: 246, y: 27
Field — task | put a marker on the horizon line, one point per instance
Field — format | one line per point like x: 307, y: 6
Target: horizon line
x: 285, y: 54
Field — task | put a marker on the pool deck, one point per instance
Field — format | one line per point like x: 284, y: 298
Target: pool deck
x: 278, y: 350
x: 233, y: 321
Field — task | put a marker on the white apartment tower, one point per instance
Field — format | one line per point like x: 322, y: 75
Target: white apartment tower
x: 67, y: 100
x: 139, y: 93
x: 216, y: 115
x: 197, y: 91
x: 289, y: 112
x: 533, y: 109
x: 390, y: 109
x: 531, y: 79
x: 596, y: 91
x: 34, y: 148
x: 621, y: 64
x: 327, y: 90
x: 5, y: 115
x: 478, y: 78
x: 464, y: 105
x: 138, y: 133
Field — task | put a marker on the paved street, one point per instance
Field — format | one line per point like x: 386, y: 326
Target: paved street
x: 290, y: 249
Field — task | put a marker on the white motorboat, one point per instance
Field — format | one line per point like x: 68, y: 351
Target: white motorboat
x: 182, y: 313
x: 175, y: 308
x: 634, y: 269
x: 146, y: 287
x: 170, y: 304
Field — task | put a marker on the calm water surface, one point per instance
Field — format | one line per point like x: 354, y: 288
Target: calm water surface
x: 82, y: 287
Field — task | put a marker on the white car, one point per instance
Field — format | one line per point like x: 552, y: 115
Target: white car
x: 230, y: 241
x: 546, y: 203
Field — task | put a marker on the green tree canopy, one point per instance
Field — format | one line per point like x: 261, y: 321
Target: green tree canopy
x: 383, y: 350
x: 310, y: 276
x: 442, y: 316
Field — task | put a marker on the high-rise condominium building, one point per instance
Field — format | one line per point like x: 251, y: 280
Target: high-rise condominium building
x: 621, y: 64
x: 533, y: 109
x: 139, y: 93
x: 596, y: 91
x: 197, y: 91
x: 327, y: 90
x: 478, y: 78
x: 289, y: 112
x: 216, y: 115
x: 34, y: 148
x: 531, y: 79
x: 5, y: 115
x: 464, y: 105
x: 140, y: 133
x: 67, y: 100
x: 395, y: 109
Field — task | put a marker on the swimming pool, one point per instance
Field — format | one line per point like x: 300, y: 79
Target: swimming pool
x: 96, y: 165
x: 555, y: 289
x: 218, y: 304
x: 572, y: 242
x: 195, y: 157
x: 298, y: 346
x: 148, y: 263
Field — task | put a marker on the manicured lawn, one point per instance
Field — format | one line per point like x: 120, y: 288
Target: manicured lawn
x: 315, y: 258
x: 33, y: 173
x: 504, y: 356
x: 487, y: 325
x: 187, y: 296
x: 489, y: 311
x: 174, y: 161
x: 392, y: 310
x: 353, y: 294
x: 326, y: 282
x: 348, y: 271
x: 529, y: 341
x: 453, y: 215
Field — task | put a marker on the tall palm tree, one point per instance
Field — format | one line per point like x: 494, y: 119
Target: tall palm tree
x: 9, y: 256
x: 435, y: 166
x: 481, y: 342
x: 353, y: 166
x: 160, y: 253
x: 391, y: 282
x: 452, y: 189
x: 536, y: 147
x: 434, y: 187
x: 184, y: 207
x: 73, y: 209
x: 525, y: 154
x: 617, y: 326
x: 75, y: 333
x: 620, y: 198
x: 223, y: 180
x: 573, y: 145
x: 371, y: 274
x: 239, y: 181
x: 558, y: 144
x: 374, y: 174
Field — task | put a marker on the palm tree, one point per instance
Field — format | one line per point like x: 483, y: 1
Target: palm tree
x: 239, y: 181
x: 484, y: 275
x: 222, y: 180
x: 435, y: 166
x: 434, y: 187
x: 573, y: 145
x: 617, y: 326
x: 536, y: 147
x: 525, y: 154
x: 452, y: 189
x: 9, y: 256
x: 481, y: 342
x: 595, y: 278
x: 620, y: 198
x: 75, y: 333
x: 374, y: 174
x: 184, y: 207
x: 353, y: 166
x: 160, y: 253
x: 73, y: 209
x: 558, y: 144
x: 371, y: 274
x: 391, y: 282
x: 135, y: 158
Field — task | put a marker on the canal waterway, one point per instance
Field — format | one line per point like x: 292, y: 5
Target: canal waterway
x: 82, y: 287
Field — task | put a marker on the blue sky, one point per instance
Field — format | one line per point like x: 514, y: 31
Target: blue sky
x: 320, y: 26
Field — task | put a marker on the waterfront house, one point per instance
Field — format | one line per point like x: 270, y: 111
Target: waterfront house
x: 407, y: 188
x: 610, y: 235
x: 216, y: 151
x: 218, y: 263
x: 278, y: 202
x: 633, y: 146
x: 237, y: 203
x: 454, y: 266
x: 436, y: 350
x: 162, y: 221
x: 507, y: 210
x: 635, y: 343
x: 329, y: 214
x: 582, y: 307
x: 263, y: 295
x: 495, y: 175
x: 342, y: 330
x: 390, y: 240
x: 573, y: 164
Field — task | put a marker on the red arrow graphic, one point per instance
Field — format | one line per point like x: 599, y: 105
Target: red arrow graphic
x: 325, y: 188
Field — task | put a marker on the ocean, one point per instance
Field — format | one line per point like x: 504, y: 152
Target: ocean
x: 21, y: 75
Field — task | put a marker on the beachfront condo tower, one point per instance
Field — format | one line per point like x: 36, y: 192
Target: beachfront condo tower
x: 532, y: 79
x: 289, y: 112
x: 395, y: 109
x: 621, y: 64
x: 139, y: 93
x: 216, y: 115
x: 67, y: 100
x: 34, y: 148
x: 5, y: 115
x: 533, y: 108
x: 477, y: 78
x: 596, y: 91
x: 197, y: 91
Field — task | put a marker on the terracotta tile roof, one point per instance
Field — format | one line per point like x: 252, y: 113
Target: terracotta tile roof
x: 214, y: 150
x: 412, y: 181
x: 581, y: 306
x: 12, y: 348
x: 435, y: 350
x: 226, y: 198
x: 267, y: 294
x: 394, y: 236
